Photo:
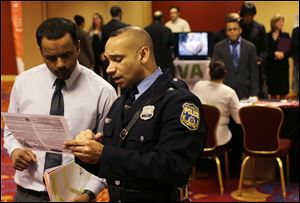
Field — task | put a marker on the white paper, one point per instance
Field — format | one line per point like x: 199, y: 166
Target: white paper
x: 66, y: 181
x: 40, y: 132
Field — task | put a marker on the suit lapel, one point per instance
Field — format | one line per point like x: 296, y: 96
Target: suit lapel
x: 242, y: 53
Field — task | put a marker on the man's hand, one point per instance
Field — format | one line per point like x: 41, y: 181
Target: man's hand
x: 22, y: 158
x: 88, y: 151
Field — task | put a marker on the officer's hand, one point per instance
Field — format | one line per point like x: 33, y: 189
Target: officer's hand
x: 88, y: 151
x: 82, y: 198
x: 22, y: 158
x: 88, y: 135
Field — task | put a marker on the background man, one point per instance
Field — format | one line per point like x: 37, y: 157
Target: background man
x: 86, y: 55
x: 177, y: 24
x: 239, y: 57
x: 163, y: 42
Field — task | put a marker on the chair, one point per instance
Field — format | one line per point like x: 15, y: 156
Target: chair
x: 261, y: 128
x: 212, y: 116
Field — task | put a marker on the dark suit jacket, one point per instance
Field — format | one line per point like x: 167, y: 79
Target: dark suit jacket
x: 86, y: 56
x: 108, y: 28
x: 295, y: 44
x: 163, y: 42
x: 256, y: 33
x: 244, y: 80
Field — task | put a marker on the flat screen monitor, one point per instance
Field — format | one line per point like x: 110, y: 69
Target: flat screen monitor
x: 192, y: 45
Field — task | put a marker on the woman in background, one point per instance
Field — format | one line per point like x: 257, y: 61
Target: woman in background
x: 95, y: 33
x: 277, y: 70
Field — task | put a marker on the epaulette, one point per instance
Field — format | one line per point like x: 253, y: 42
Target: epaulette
x: 177, y: 83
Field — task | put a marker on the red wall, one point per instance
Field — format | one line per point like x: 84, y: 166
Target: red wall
x: 202, y: 16
x: 8, y: 55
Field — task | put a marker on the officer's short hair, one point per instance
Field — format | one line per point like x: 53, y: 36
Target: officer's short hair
x: 247, y: 8
x: 115, y: 11
x: 56, y: 28
x: 217, y: 69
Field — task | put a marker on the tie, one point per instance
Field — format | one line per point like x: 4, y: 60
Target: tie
x: 57, y: 108
x: 57, y: 103
x: 131, y: 97
x: 234, y: 54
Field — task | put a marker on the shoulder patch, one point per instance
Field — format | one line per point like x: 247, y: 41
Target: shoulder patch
x: 190, y: 116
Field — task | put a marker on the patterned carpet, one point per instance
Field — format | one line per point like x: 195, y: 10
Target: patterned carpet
x: 202, y: 189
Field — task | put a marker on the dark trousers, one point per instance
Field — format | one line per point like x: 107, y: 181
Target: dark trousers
x: 117, y: 193
x: 24, y: 195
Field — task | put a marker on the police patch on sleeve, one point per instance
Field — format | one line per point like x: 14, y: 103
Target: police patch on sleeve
x: 190, y: 117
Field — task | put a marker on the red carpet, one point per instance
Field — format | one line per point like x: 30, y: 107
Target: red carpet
x: 202, y: 190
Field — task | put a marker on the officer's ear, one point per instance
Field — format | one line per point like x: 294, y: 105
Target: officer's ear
x: 144, y: 54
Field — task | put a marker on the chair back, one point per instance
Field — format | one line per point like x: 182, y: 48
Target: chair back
x: 211, y: 115
x: 261, y: 128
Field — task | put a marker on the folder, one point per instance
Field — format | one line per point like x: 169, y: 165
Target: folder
x: 65, y: 182
x: 284, y: 44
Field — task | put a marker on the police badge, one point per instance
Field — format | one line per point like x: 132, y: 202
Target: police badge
x: 147, y: 112
x: 190, y: 117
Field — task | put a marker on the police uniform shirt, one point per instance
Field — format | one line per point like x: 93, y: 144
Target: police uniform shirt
x: 147, y: 82
x: 87, y: 100
x: 162, y: 146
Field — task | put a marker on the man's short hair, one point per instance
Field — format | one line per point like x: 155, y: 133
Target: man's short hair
x: 232, y: 20
x: 115, y: 11
x: 56, y: 28
x: 247, y: 8
x: 232, y: 15
x: 158, y: 16
x: 217, y: 69
x: 78, y: 20
x: 177, y: 8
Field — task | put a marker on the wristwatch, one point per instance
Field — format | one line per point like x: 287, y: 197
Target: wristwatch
x: 90, y: 194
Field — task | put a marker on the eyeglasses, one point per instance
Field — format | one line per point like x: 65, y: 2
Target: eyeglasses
x: 232, y: 29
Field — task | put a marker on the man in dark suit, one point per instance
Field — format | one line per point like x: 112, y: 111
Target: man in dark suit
x: 255, y: 33
x: 86, y: 56
x: 221, y: 34
x: 239, y: 56
x: 113, y: 25
x: 163, y: 42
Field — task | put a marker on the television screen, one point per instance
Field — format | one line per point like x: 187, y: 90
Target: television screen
x: 192, y: 45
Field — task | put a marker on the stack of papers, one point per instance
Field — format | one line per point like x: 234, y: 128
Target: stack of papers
x: 39, y: 132
x: 65, y: 182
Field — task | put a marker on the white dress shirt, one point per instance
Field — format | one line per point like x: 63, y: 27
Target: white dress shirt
x: 179, y: 25
x: 225, y: 99
x: 87, y: 100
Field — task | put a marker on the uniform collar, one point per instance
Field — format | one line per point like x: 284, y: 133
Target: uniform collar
x: 148, y: 81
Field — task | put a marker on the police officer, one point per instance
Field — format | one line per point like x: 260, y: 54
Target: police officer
x: 150, y: 144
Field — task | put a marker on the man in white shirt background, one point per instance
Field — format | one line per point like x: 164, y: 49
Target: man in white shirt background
x: 177, y: 24
x: 32, y: 94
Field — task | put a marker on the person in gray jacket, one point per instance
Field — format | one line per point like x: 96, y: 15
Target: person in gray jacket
x: 239, y: 56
